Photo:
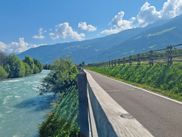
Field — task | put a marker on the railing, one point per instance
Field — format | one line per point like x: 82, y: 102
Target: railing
x: 168, y: 55
x: 101, y: 116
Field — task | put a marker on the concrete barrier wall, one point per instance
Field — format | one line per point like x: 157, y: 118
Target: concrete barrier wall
x: 110, y: 118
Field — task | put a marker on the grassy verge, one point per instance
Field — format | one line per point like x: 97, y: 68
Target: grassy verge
x: 62, y: 121
x: 159, y: 78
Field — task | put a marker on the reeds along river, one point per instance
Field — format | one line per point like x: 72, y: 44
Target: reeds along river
x: 22, y: 109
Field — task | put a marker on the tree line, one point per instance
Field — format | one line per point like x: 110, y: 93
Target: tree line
x: 13, y: 67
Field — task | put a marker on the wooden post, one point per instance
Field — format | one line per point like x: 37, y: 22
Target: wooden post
x: 138, y: 59
x: 130, y: 60
x: 124, y: 60
x: 151, y: 58
x: 169, y: 55
x: 83, y: 104
x: 118, y: 62
x: 115, y: 62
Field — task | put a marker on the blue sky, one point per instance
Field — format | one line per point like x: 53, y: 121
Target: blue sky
x: 34, y: 22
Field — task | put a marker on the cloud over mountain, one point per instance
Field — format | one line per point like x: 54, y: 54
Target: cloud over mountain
x: 40, y: 34
x: 65, y: 31
x: 87, y: 27
x: 16, y: 47
x: 147, y: 15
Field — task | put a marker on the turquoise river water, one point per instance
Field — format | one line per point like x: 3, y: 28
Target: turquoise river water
x: 22, y: 109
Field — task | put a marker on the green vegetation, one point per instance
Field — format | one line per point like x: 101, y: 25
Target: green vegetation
x: 160, y: 78
x: 62, y: 121
x: 12, y: 67
x: 3, y: 73
x: 62, y: 76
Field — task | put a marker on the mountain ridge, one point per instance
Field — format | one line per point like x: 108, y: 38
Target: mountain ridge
x: 122, y: 44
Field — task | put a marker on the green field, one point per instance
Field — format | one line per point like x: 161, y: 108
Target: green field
x: 160, y: 78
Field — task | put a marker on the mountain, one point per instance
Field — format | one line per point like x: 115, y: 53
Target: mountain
x: 88, y: 50
x: 133, y: 41
x: 157, y: 37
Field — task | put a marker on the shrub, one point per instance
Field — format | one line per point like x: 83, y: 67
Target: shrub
x: 62, y: 76
x: 15, y: 67
x: 3, y: 73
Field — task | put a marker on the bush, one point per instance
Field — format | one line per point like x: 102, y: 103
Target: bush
x: 3, y: 73
x: 15, y: 67
x: 62, y: 76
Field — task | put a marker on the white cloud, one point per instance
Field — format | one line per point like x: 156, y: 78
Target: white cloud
x: 148, y: 14
x: 16, y: 47
x: 87, y: 27
x: 40, y: 34
x: 2, y: 47
x: 65, y: 31
x: 119, y: 24
x: 20, y: 46
x: 171, y: 8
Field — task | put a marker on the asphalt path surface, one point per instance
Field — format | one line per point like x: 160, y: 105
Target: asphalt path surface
x: 161, y: 117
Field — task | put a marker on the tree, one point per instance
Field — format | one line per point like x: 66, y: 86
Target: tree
x: 2, y: 58
x: 30, y: 62
x: 15, y: 67
x: 28, y: 70
x: 62, y: 76
x: 38, y: 66
x: 3, y: 73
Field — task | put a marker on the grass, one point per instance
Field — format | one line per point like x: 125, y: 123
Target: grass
x: 160, y: 78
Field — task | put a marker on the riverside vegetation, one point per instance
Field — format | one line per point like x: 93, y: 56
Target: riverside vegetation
x: 161, y: 78
x: 62, y: 121
x: 12, y: 67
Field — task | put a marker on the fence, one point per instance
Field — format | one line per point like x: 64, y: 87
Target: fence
x: 170, y: 54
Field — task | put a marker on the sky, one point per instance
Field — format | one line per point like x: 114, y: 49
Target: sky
x: 27, y: 24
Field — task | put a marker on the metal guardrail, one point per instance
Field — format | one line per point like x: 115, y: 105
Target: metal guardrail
x: 168, y: 55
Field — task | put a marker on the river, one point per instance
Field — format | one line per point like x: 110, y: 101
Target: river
x: 22, y: 109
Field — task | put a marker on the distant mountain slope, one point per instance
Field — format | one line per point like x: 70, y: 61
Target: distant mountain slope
x: 88, y: 50
x: 124, y: 43
x: 153, y: 38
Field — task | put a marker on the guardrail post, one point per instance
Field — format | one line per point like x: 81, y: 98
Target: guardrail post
x: 169, y: 55
x: 83, y: 104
